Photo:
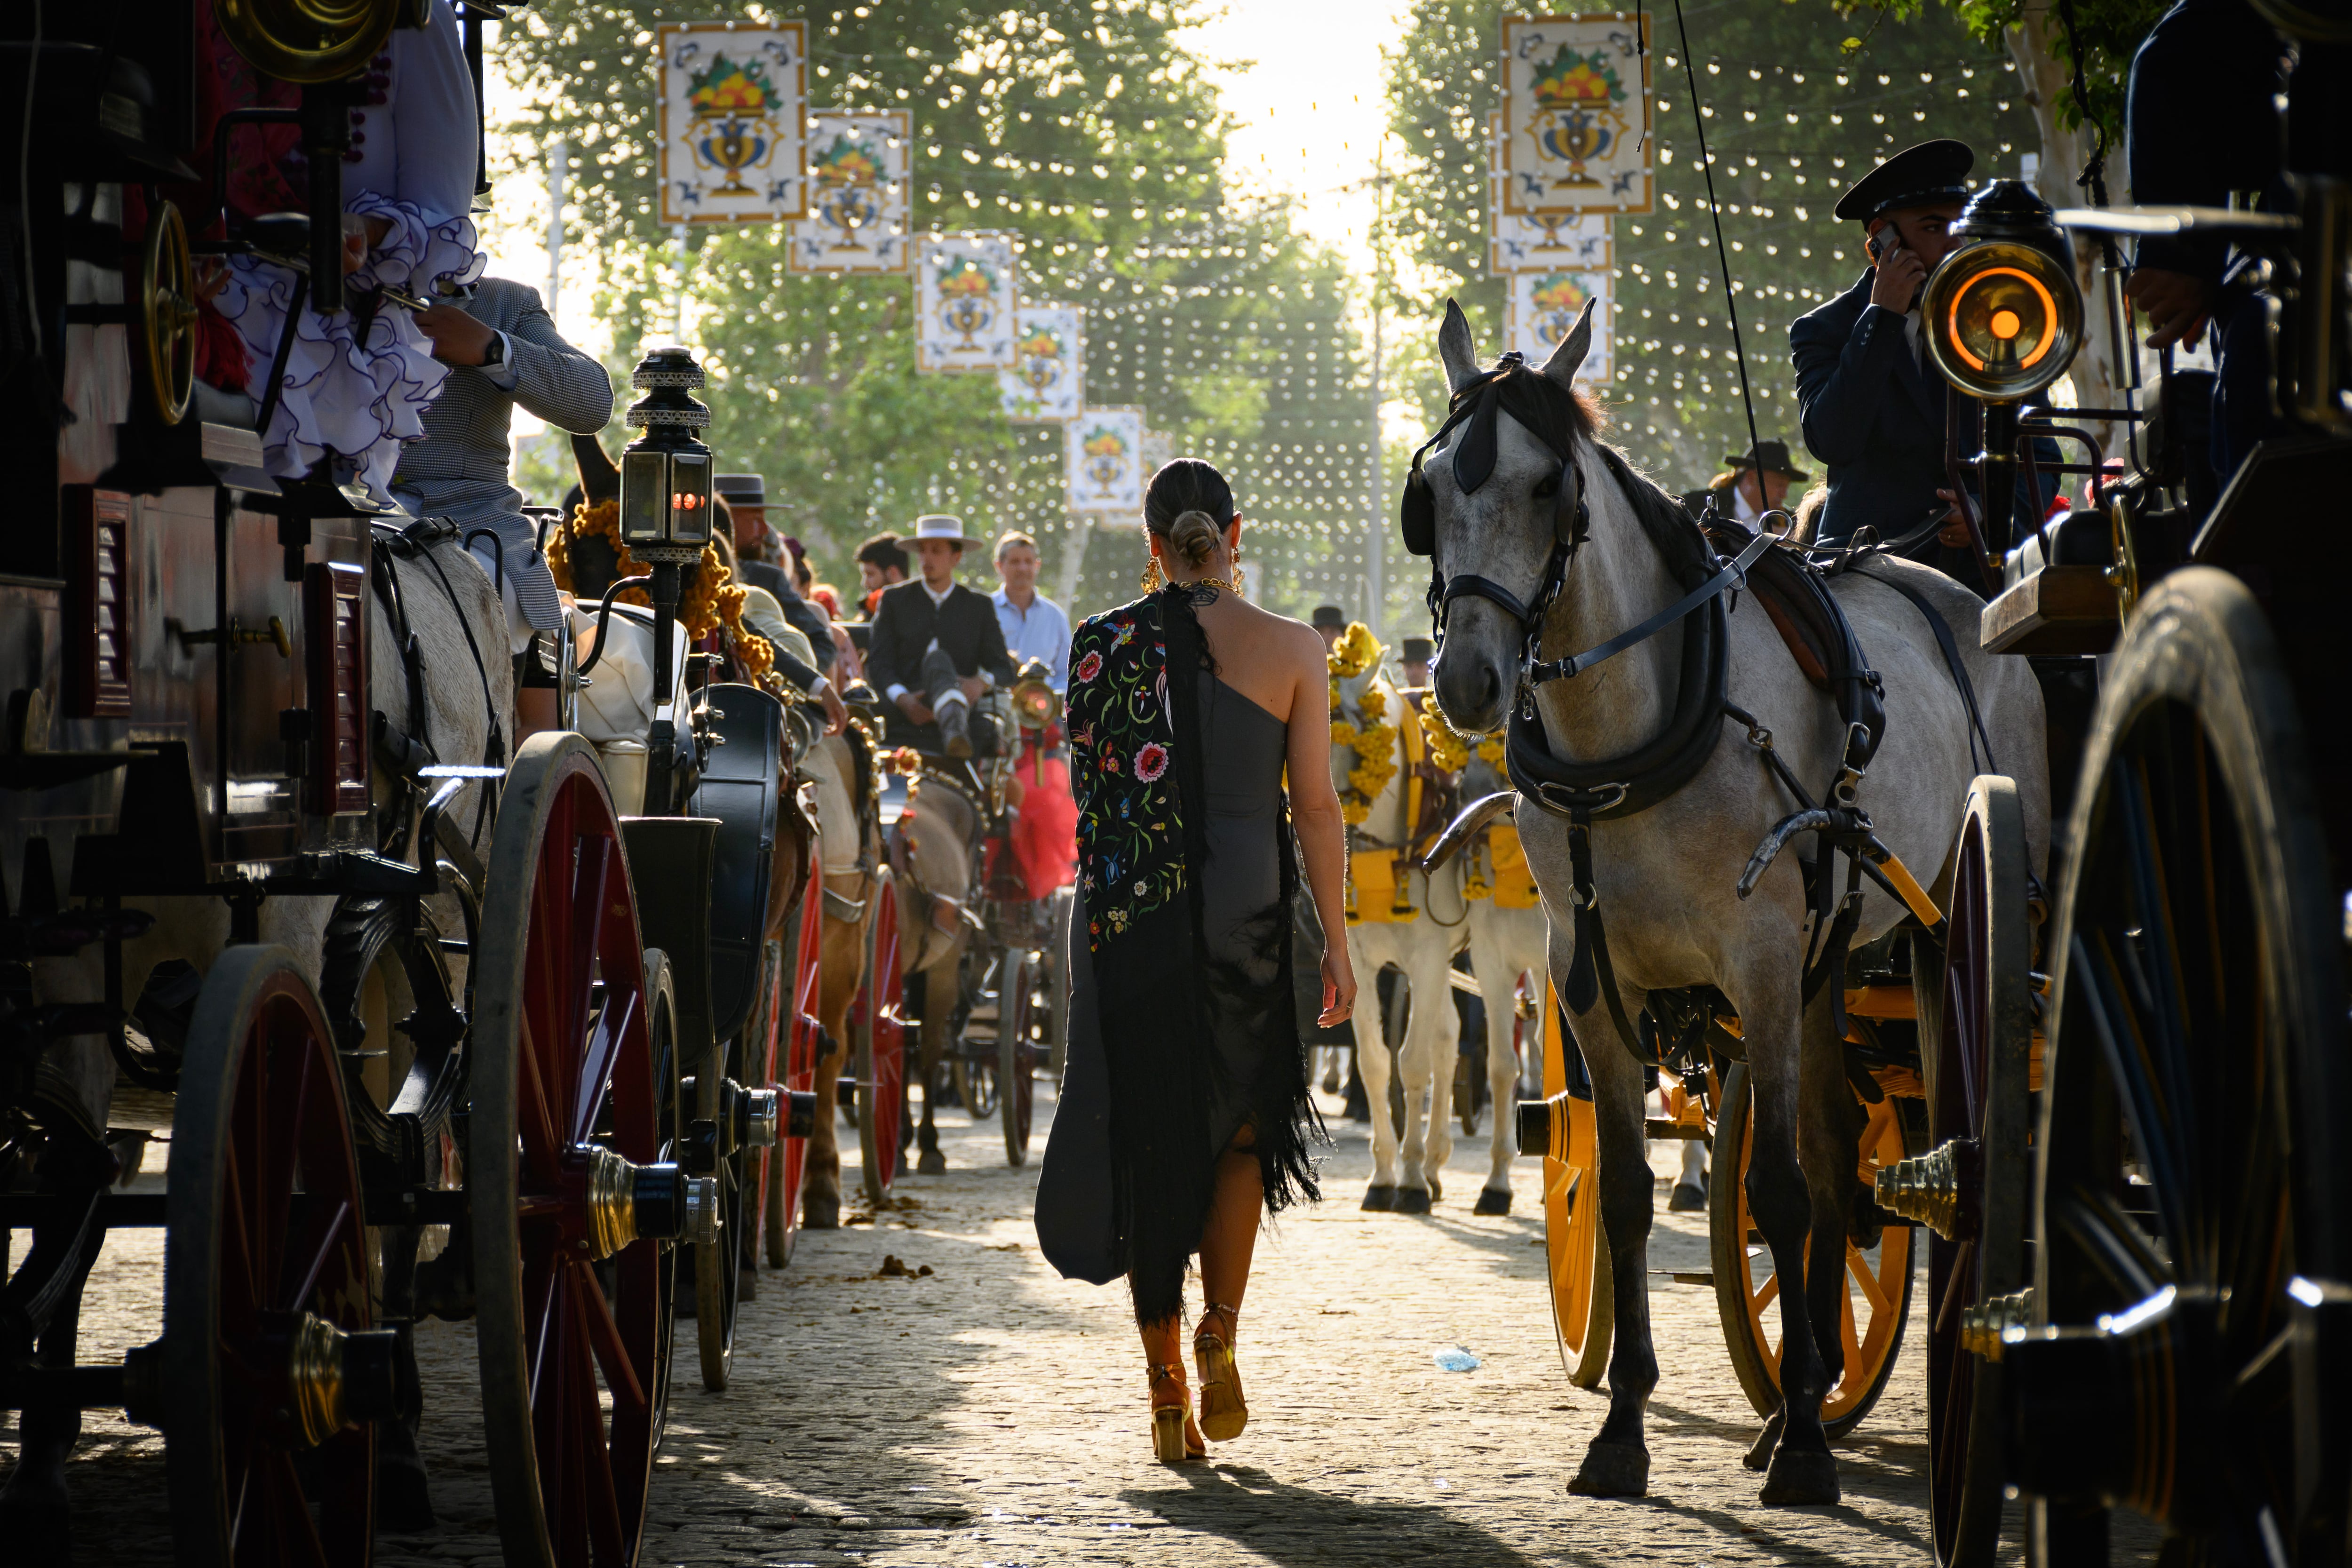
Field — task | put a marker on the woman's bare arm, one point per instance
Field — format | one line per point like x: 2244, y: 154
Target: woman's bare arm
x: 1314, y: 814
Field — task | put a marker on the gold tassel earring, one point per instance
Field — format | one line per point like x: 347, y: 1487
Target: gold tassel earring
x: 1151, y: 575
x: 1240, y: 578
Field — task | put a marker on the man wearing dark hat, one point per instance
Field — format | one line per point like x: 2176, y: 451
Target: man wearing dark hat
x: 1414, y: 654
x: 1332, y: 622
x: 746, y: 496
x: 935, y: 646
x: 1872, y: 404
x: 1747, y: 489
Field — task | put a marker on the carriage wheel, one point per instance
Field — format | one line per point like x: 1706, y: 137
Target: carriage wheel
x: 1583, y: 1310
x: 878, y: 1042
x: 270, y: 1374
x: 573, y: 1301
x: 1017, y: 1021
x: 788, y: 1164
x: 1877, y: 1296
x: 1976, y: 1032
x: 2189, y: 1139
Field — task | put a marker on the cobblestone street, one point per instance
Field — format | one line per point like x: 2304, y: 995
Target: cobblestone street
x: 991, y: 1412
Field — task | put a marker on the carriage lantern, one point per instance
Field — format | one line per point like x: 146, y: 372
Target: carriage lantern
x: 666, y: 510
x: 2004, y: 318
x: 666, y: 519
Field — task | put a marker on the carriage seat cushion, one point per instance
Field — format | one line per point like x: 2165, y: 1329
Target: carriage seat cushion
x: 2078, y: 538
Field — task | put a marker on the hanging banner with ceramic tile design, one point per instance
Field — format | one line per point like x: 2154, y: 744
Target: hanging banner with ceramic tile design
x: 734, y: 105
x: 1528, y: 242
x: 1103, y: 460
x: 858, y: 196
x: 964, y: 292
x: 1542, y: 308
x: 1576, y: 108
x: 1048, y: 381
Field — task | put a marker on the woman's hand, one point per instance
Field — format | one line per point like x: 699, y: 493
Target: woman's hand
x: 1338, y: 985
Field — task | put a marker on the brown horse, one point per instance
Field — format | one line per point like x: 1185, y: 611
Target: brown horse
x: 843, y: 768
x: 931, y: 862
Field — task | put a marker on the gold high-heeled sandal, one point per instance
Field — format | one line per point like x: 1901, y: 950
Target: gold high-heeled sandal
x: 1224, y: 1413
x: 1168, y: 1420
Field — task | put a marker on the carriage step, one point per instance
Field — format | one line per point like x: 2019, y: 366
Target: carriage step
x: 1685, y: 1276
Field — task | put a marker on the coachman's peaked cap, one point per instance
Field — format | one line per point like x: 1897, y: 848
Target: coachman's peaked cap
x: 1916, y: 177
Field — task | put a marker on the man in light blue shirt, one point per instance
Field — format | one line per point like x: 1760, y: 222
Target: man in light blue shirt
x: 1035, y: 626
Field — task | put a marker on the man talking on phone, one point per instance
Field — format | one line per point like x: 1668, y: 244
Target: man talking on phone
x: 1871, y: 400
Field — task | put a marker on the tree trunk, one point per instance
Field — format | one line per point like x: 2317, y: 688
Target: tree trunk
x: 2046, y: 83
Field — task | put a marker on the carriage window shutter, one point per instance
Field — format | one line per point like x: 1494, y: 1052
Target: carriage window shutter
x: 336, y: 642
x: 98, y: 645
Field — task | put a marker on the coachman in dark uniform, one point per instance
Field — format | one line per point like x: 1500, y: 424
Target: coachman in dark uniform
x: 1872, y: 403
x: 935, y: 646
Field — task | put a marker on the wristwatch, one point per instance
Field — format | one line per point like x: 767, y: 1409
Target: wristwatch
x: 496, y: 353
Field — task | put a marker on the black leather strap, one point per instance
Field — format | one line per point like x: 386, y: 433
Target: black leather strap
x: 1943, y: 630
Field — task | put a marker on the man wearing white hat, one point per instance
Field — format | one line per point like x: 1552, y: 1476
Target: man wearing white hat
x: 936, y: 646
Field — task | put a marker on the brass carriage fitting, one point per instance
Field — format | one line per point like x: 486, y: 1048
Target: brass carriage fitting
x: 337, y: 1378
x: 622, y: 1202
x: 1938, y: 1189
x: 701, y: 1216
x: 1983, y: 1325
x: 239, y: 634
x: 759, y: 1115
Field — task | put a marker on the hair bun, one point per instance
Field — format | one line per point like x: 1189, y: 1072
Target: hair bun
x: 1196, y: 534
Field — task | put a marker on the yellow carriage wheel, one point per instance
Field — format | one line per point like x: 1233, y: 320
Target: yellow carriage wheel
x: 1582, y: 1309
x: 1877, y: 1299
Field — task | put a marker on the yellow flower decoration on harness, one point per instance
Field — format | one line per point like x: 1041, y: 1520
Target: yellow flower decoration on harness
x: 1450, y: 749
x: 1372, y: 736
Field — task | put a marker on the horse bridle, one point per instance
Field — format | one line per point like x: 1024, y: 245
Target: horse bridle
x: 1546, y: 411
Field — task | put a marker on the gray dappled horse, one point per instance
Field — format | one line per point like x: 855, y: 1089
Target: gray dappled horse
x: 1664, y: 876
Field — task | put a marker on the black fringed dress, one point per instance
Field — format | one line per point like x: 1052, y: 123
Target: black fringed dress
x: 1182, y: 1027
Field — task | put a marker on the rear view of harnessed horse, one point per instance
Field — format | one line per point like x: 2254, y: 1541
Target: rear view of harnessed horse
x: 1660, y: 738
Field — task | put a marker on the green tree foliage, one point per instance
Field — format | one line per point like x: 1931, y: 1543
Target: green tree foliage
x: 1792, y: 119
x: 2104, y: 33
x: 1077, y: 126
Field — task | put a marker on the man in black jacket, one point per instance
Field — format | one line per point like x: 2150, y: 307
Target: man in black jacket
x: 1872, y: 403
x: 936, y: 646
x: 746, y: 496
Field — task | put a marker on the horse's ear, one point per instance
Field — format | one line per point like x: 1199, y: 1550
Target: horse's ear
x: 1566, y: 359
x: 1455, y: 349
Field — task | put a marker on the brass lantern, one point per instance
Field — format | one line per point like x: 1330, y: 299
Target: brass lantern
x: 665, y: 502
x: 2003, y: 313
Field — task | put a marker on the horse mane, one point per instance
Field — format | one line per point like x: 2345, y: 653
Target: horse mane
x: 1679, y: 542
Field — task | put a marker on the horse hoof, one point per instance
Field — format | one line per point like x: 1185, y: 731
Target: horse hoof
x: 1379, y: 1199
x: 1801, y: 1478
x: 1760, y: 1453
x: 1688, y: 1197
x: 1612, y: 1470
x: 932, y: 1164
x: 1492, y: 1202
x: 404, y: 1503
x: 821, y: 1213
x: 1412, y: 1200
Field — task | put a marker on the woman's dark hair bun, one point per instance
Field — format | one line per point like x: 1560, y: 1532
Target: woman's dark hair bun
x: 1196, y: 536
x: 1191, y: 506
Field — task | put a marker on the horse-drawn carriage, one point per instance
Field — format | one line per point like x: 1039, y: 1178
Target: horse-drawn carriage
x: 434, y: 1028
x: 2112, y: 1113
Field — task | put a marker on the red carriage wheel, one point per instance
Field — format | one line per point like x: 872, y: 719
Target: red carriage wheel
x: 268, y: 1371
x: 798, y: 1069
x: 571, y: 1202
x: 879, y: 1040
x: 1015, y: 1052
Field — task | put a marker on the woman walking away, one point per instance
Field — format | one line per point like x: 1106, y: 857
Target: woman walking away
x: 1184, y: 1113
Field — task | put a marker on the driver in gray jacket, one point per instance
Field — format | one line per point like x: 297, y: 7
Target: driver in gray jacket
x: 507, y: 354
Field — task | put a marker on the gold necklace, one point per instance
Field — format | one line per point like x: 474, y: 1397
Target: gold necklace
x: 1201, y: 588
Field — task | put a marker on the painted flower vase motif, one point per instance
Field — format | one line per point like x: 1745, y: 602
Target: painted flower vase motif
x: 967, y: 301
x: 1579, y: 104
x: 732, y: 101
x: 1106, y: 453
x: 1040, y: 358
x: 848, y: 175
x: 1558, y: 301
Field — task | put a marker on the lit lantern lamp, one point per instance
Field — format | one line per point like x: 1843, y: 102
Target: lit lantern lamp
x: 2004, y: 318
x: 665, y: 519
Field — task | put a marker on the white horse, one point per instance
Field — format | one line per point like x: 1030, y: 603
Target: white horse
x: 1663, y: 877
x: 1421, y: 947
x: 1505, y: 944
